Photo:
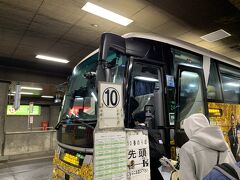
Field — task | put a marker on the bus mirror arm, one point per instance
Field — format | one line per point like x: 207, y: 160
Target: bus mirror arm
x: 108, y: 75
x: 104, y: 70
x: 100, y: 73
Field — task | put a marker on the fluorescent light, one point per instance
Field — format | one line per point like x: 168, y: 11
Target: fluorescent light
x: 146, y: 78
x: 47, y: 96
x: 104, y: 13
x: 189, y: 74
x: 78, y: 99
x: 31, y: 88
x: 49, y: 58
x: 11, y: 94
x: 22, y: 92
x: 192, y: 85
x: 233, y: 84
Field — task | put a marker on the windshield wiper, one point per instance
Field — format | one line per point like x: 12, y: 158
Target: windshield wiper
x: 73, y: 120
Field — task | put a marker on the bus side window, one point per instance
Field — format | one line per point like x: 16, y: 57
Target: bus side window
x: 191, y: 95
x: 230, y: 78
x: 213, y: 86
x: 231, y: 89
x: 144, y: 84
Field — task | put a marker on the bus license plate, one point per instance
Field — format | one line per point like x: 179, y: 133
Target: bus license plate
x: 71, y: 159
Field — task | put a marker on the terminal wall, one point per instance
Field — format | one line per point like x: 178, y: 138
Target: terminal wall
x: 20, y: 138
x: 29, y: 142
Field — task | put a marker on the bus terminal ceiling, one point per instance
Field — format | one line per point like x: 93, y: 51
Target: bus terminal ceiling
x: 63, y: 29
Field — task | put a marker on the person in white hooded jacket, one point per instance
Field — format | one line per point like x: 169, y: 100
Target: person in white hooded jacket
x: 200, y: 154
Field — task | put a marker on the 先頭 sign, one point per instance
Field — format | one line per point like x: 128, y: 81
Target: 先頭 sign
x: 138, y: 155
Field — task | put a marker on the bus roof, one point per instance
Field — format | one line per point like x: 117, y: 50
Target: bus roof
x: 178, y: 43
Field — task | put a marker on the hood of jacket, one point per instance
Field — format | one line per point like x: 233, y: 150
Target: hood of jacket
x: 198, y: 130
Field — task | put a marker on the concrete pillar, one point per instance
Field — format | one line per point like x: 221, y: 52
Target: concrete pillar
x: 4, y: 88
x: 54, y: 113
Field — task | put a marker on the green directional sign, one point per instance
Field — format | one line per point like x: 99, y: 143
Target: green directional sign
x: 23, y: 110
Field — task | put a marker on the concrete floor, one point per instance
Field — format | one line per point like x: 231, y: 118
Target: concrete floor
x: 31, y: 169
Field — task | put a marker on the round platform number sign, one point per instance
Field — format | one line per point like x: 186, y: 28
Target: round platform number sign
x: 111, y: 97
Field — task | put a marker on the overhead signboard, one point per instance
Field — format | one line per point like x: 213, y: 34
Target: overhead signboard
x: 24, y: 110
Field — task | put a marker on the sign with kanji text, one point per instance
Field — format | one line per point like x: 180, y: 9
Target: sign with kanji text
x: 138, y: 155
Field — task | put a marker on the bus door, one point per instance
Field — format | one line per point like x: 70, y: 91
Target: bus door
x: 145, y: 94
x: 191, y: 98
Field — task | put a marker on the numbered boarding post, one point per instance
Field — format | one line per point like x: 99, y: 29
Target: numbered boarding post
x: 110, y: 146
x: 138, y: 155
x: 110, y: 114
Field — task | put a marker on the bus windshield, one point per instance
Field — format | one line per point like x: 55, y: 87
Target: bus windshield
x: 80, y: 98
x: 79, y: 112
x: 78, y: 115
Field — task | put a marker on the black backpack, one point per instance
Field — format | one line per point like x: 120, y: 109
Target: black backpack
x: 226, y: 169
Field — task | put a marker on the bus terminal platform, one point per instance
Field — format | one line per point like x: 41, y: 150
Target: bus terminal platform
x: 37, y: 168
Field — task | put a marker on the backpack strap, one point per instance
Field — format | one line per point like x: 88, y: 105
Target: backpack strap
x: 218, y: 157
x: 227, y: 170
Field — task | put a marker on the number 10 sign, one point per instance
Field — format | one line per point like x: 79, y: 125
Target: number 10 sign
x: 111, y: 95
x: 110, y: 105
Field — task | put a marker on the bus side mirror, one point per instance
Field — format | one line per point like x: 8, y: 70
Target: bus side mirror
x: 108, y: 41
x: 111, y: 41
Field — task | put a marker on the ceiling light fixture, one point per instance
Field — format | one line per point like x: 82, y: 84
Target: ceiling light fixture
x: 49, y: 58
x: 31, y: 88
x: 215, y: 36
x: 192, y: 85
x: 188, y: 74
x: 104, y: 13
x: 142, y: 78
x: 22, y: 92
x: 233, y: 84
x: 50, y: 97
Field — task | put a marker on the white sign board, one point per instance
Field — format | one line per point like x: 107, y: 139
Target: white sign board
x: 170, y: 81
x: 31, y: 106
x: 110, y: 155
x: 138, y: 155
x: 31, y: 119
x: 110, y: 114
